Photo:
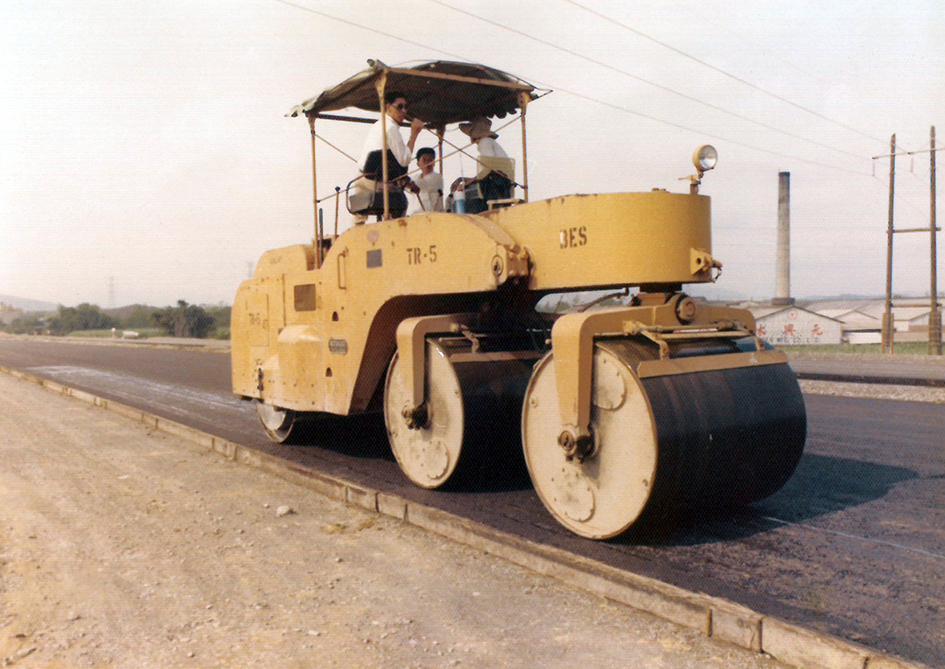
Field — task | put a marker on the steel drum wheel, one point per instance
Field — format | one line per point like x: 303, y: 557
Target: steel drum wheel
x: 707, y: 439
x: 604, y: 495
x: 280, y: 424
x: 427, y: 456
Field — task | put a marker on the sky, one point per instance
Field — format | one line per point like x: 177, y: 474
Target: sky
x: 144, y: 145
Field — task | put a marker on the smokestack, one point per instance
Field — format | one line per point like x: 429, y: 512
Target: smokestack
x: 782, y: 291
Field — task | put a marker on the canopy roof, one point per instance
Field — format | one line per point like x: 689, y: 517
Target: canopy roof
x: 438, y: 93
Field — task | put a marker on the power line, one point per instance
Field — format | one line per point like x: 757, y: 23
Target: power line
x: 373, y: 30
x: 707, y: 134
x: 579, y: 95
x: 760, y: 48
x: 720, y: 71
x: 644, y: 80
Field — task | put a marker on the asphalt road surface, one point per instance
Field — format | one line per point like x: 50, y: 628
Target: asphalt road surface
x: 854, y: 545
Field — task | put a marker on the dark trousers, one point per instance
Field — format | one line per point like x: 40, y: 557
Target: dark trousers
x: 493, y: 186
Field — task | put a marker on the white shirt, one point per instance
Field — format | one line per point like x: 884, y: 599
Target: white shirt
x: 374, y: 142
x: 489, y: 148
x: 430, y: 187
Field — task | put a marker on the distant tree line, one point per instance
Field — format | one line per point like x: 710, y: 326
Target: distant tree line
x: 184, y: 320
x: 83, y: 317
x: 28, y: 324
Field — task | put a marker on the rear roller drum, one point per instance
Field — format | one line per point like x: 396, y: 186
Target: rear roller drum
x: 281, y: 425
x: 706, y: 439
x: 472, y: 410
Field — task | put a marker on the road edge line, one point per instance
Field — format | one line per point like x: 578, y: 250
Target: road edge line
x: 713, y: 617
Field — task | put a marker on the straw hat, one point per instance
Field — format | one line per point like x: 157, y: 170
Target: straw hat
x: 478, y: 128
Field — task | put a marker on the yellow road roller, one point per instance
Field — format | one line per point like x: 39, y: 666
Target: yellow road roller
x: 625, y: 413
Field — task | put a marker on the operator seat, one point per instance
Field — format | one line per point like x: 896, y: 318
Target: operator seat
x: 372, y: 203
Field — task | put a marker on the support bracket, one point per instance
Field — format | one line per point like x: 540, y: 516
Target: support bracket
x: 572, y: 341
x: 412, y: 336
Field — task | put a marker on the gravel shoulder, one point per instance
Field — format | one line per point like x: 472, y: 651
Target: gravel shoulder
x: 124, y: 547
x: 873, y: 391
x: 935, y: 360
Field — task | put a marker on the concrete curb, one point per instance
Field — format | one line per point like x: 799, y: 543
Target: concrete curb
x: 711, y: 616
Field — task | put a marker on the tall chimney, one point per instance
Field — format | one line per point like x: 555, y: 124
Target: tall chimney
x: 782, y: 292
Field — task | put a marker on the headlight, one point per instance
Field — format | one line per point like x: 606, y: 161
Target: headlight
x: 705, y: 158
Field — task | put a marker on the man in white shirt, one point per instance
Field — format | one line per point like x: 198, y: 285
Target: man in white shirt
x: 395, y: 105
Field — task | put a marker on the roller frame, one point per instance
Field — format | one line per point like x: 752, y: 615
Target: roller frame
x: 411, y: 336
x: 658, y: 318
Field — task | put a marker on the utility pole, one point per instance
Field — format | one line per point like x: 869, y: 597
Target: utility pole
x: 935, y: 319
x: 887, y: 314
x: 111, y: 292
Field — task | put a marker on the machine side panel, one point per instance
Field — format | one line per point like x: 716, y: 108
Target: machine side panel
x: 620, y: 239
x: 241, y: 337
x: 257, y: 317
x: 373, y: 277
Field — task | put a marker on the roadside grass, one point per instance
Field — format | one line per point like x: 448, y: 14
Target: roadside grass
x: 142, y: 333
x: 899, y: 348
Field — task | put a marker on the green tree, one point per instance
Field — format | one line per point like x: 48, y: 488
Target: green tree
x: 26, y: 324
x: 83, y: 317
x: 141, y: 316
x: 185, y: 320
x: 220, y: 315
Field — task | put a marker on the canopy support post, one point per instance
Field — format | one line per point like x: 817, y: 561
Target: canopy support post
x: 381, y: 84
x: 337, y: 203
x: 523, y: 99
x: 318, y: 241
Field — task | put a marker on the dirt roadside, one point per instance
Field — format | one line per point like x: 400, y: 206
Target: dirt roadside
x: 124, y: 547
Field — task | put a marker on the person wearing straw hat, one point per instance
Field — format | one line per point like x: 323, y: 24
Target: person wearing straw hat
x: 491, y: 184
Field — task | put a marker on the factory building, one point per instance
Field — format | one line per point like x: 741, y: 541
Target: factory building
x: 792, y: 326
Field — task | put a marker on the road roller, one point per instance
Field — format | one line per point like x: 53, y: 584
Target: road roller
x: 625, y: 414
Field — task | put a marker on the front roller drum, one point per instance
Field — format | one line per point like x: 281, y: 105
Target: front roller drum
x: 470, y: 419
x: 705, y: 440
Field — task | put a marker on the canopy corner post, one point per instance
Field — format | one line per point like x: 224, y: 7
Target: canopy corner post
x: 337, y: 203
x: 523, y: 100
x: 381, y: 84
x: 317, y: 240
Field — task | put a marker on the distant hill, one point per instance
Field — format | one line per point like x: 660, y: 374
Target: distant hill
x: 27, y: 304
